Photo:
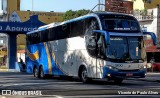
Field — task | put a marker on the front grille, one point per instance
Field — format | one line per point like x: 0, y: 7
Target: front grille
x: 135, y: 70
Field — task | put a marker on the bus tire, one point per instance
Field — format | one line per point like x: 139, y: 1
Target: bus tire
x: 41, y: 73
x: 118, y: 80
x: 36, y: 72
x: 84, y: 76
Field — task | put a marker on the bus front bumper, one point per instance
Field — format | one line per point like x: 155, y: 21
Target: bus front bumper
x: 110, y: 73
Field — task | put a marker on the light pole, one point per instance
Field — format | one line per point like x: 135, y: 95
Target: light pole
x: 96, y: 6
x: 32, y: 5
x: 99, y: 2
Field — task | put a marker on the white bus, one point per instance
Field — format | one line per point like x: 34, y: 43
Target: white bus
x: 100, y: 45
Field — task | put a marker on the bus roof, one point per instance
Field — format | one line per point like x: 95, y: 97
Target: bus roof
x: 45, y: 27
x: 112, y: 13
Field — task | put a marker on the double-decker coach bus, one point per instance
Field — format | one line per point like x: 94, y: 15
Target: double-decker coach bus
x: 95, y: 46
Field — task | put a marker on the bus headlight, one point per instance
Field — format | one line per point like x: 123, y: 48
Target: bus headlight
x: 112, y: 68
x: 142, y: 67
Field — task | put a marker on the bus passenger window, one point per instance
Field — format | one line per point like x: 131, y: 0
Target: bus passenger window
x: 29, y: 39
x: 51, y: 35
x: 44, y: 36
x: 90, y: 37
x: 36, y: 38
x: 77, y: 28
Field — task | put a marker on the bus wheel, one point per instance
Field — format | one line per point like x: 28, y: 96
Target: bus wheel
x: 84, y: 76
x: 36, y: 73
x: 41, y: 74
x: 118, y: 80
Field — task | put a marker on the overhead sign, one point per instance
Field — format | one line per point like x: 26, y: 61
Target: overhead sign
x: 16, y: 28
x: 119, y: 6
x: 45, y: 13
x: 21, y: 27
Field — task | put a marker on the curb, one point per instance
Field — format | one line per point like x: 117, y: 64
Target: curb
x: 148, y: 80
x: 9, y: 70
x: 154, y: 73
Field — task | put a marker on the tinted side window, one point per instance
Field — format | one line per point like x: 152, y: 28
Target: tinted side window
x: 44, y: 35
x: 59, y: 32
x: 91, y: 24
x: 91, y: 39
x: 33, y: 38
x: 62, y: 31
x: 28, y: 39
x: 66, y: 29
x: 51, y: 35
x: 36, y: 38
x: 77, y: 28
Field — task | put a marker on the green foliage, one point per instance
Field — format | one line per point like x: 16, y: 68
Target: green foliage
x: 73, y: 14
x: 147, y: 1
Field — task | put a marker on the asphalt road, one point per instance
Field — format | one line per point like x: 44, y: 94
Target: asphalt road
x: 60, y: 87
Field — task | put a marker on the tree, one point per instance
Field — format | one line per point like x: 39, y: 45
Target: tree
x: 73, y: 14
x: 147, y: 1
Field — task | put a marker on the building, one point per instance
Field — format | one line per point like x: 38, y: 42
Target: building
x: 145, y: 4
x: 16, y: 14
x: 148, y: 12
x: 3, y: 37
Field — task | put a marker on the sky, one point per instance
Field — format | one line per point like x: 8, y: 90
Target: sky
x: 57, y: 5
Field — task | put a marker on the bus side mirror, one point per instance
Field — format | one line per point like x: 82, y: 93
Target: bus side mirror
x: 106, y: 35
x: 153, y: 36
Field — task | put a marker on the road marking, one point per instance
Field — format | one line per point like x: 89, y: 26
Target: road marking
x: 22, y: 84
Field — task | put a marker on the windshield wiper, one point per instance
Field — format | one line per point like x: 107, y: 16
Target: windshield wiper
x: 114, y: 53
x: 126, y: 56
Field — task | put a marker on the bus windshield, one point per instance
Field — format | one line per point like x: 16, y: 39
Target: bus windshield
x: 125, y: 48
x: 119, y: 23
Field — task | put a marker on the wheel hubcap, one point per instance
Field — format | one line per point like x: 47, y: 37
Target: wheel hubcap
x: 42, y: 73
x: 36, y: 72
x: 84, y: 75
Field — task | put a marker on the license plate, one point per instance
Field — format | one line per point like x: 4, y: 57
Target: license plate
x: 129, y: 74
